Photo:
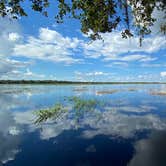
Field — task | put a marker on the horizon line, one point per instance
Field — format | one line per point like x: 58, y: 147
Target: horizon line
x: 77, y: 82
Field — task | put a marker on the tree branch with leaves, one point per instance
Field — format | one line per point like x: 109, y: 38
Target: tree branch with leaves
x: 97, y: 16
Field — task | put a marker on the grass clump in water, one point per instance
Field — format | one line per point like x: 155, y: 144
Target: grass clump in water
x: 82, y: 107
x: 79, y: 106
x: 160, y: 93
x: 82, y: 104
x: 104, y: 92
x: 50, y: 113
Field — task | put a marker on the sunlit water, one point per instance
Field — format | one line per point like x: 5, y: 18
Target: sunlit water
x: 130, y: 129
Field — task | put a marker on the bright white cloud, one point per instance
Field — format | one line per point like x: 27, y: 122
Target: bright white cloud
x: 50, y: 46
x: 90, y: 76
x: 114, y: 46
x: 96, y: 73
x: 163, y: 74
x: 13, y: 37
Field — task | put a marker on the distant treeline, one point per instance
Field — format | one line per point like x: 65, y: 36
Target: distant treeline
x: 68, y: 82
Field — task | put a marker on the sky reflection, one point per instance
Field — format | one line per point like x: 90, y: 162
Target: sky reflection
x: 120, y: 118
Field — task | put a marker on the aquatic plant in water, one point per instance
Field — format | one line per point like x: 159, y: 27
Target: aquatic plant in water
x: 50, y: 113
x: 79, y: 106
x: 82, y: 104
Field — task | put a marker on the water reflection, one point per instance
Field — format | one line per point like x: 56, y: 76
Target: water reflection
x: 9, y: 137
x: 119, y: 122
x: 150, y: 151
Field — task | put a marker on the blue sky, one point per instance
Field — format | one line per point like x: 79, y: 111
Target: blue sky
x: 36, y: 47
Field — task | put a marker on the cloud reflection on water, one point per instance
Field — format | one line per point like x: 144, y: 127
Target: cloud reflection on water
x: 150, y: 151
x: 9, y: 137
x: 116, y: 120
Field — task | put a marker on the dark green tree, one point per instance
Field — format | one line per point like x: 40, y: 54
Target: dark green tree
x: 97, y: 16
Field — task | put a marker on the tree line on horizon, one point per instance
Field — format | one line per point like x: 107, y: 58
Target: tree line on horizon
x: 69, y: 82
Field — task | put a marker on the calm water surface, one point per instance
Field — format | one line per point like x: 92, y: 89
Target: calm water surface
x: 130, y: 128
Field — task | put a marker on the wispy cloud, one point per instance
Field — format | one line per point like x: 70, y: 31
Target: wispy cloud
x: 117, y: 64
x: 13, y: 69
x: 131, y: 58
x: 90, y: 76
x: 8, y: 65
x: 156, y: 65
x: 50, y: 46
x: 26, y: 75
x: 116, y: 48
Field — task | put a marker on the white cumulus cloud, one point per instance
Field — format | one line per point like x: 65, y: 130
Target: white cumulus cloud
x: 114, y: 46
x: 50, y: 46
x: 163, y: 74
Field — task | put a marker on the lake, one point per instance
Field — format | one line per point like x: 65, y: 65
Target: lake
x: 127, y: 129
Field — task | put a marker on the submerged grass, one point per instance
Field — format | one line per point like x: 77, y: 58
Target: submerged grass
x: 82, y: 104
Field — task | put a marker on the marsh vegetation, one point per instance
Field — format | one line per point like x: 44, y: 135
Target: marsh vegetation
x: 106, y: 92
x: 79, y: 105
x: 160, y: 93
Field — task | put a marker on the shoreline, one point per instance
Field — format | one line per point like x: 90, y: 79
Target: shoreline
x: 54, y: 82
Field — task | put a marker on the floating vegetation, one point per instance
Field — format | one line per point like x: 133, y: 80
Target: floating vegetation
x: 132, y: 89
x: 161, y: 93
x: 50, y: 113
x: 106, y: 92
x: 79, y: 107
x: 82, y: 89
x: 82, y: 104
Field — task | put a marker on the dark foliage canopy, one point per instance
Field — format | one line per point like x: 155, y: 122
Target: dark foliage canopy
x: 97, y: 16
